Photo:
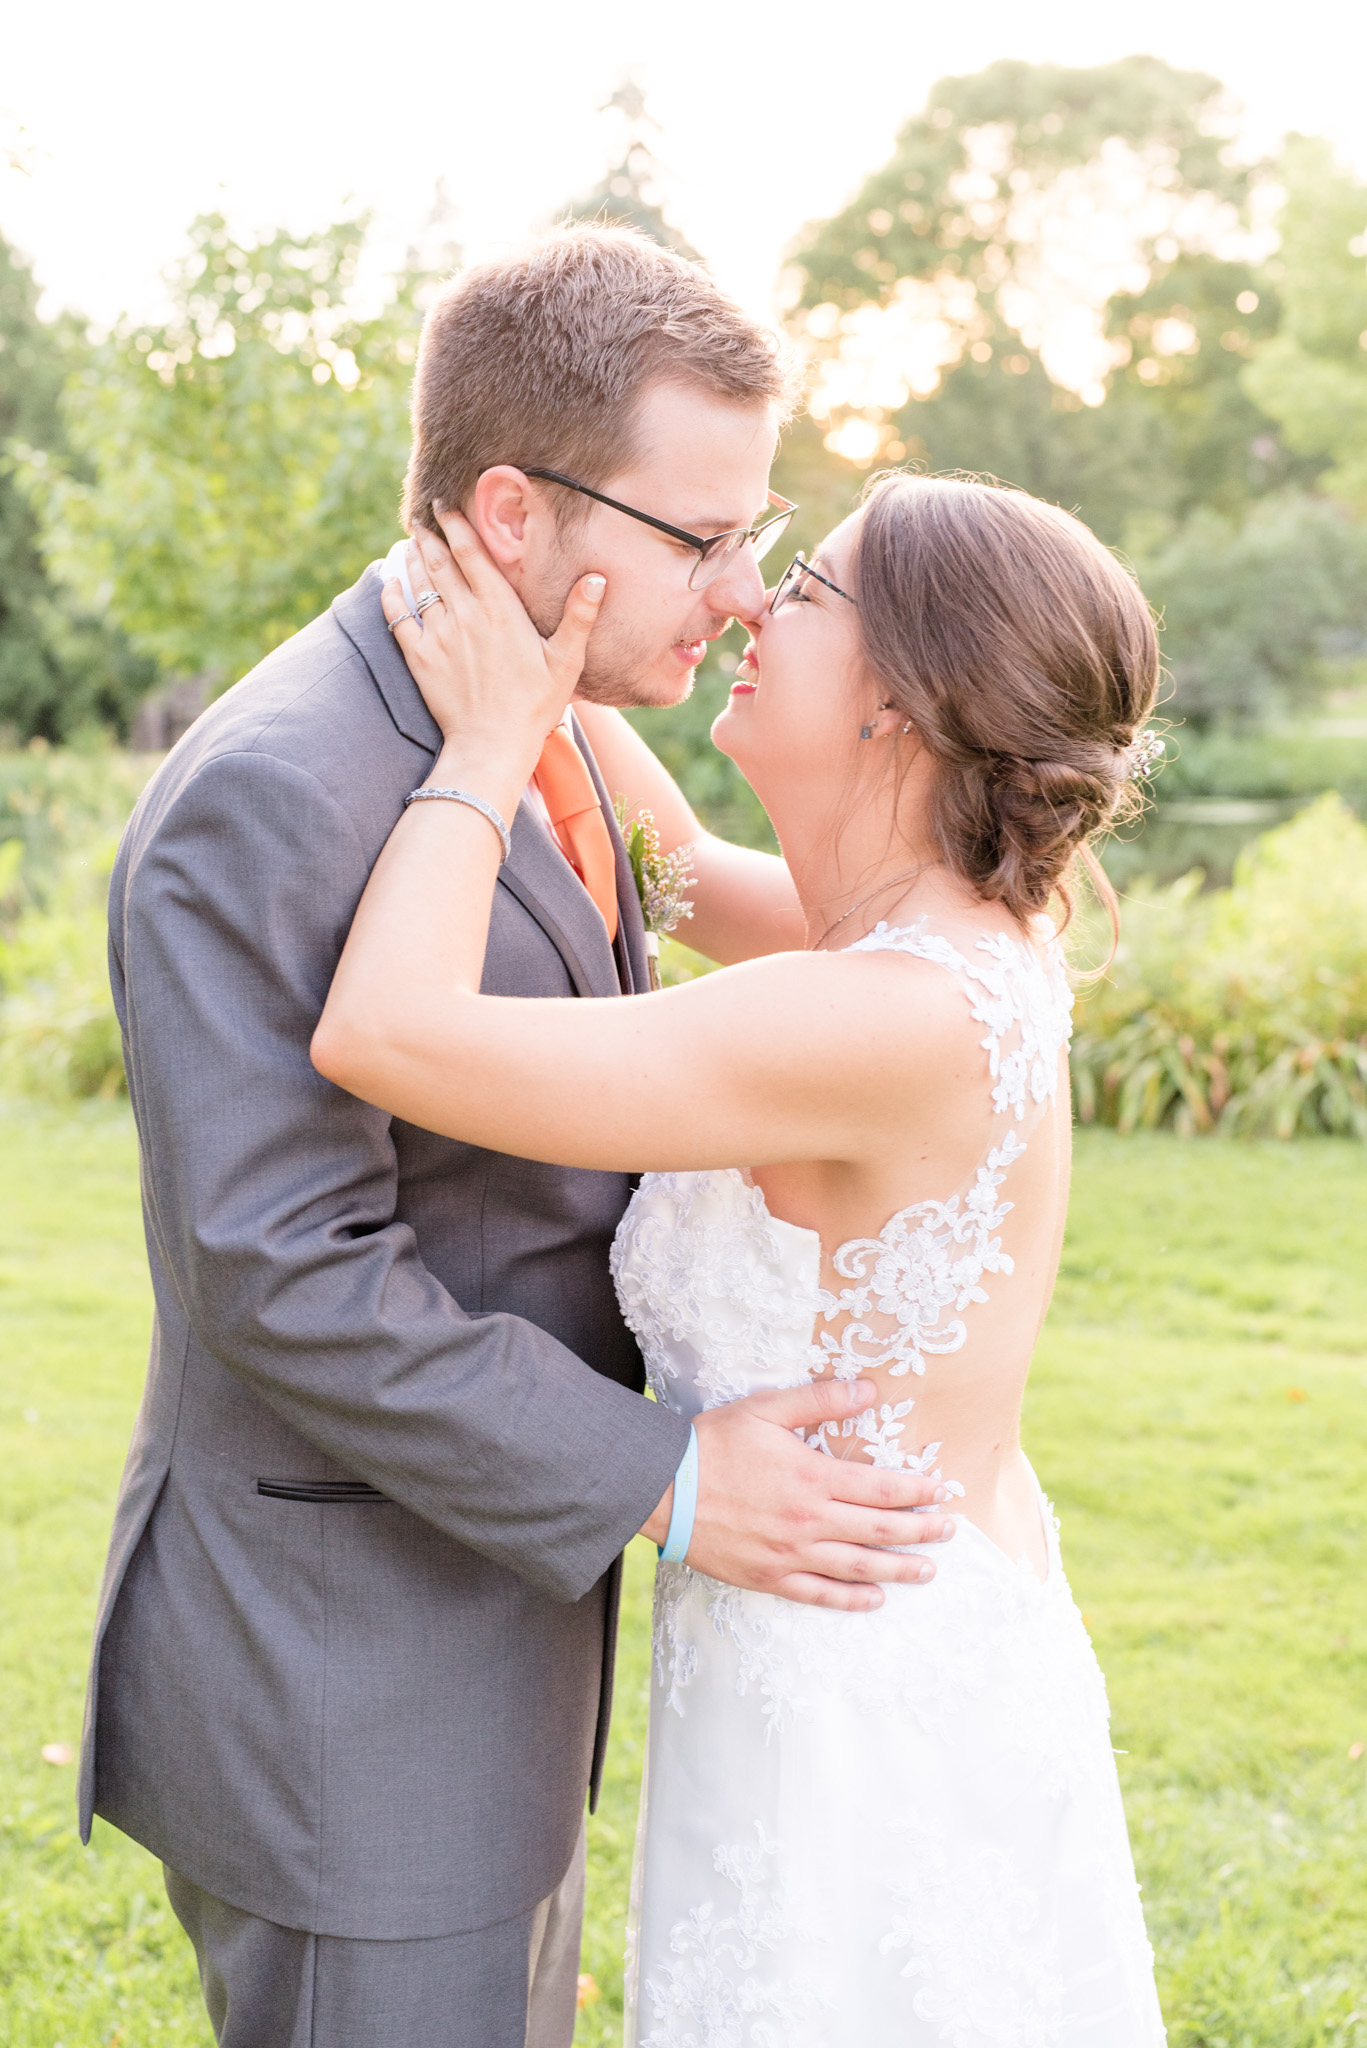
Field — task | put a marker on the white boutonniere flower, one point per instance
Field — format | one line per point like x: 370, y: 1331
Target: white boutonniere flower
x: 661, y: 879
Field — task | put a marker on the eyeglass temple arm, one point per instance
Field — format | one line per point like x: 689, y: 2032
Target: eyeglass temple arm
x: 694, y: 540
x: 783, y: 508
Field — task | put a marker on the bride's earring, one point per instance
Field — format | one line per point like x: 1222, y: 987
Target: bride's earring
x: 866, y: 732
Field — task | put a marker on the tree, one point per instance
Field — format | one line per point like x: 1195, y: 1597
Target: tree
x: 1311, y: 376
x: 1254, y: 610
x: 1037, y: 284
x: 242, y: 460
x: 631, y: 190
x: 59, y: 670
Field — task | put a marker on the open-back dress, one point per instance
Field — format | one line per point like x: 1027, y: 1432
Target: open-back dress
x: 899, y: 1828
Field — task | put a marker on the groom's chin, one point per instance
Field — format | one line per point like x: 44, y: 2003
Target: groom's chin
x: 637, y: 693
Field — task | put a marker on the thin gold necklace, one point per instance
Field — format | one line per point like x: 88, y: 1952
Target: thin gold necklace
x: 882, y: 889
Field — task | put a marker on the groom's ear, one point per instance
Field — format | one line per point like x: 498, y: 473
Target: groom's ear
x: 508, y: 514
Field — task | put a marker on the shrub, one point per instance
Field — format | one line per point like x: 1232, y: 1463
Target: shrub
x: 58, y: 1032
x: 1244, y: 1010
x: 60, y: 816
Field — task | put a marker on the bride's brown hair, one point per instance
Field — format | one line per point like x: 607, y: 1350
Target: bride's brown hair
x: 1026, y: 659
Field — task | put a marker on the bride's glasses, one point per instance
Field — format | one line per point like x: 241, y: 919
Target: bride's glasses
x: 791, y: 582
x: 715, y: 551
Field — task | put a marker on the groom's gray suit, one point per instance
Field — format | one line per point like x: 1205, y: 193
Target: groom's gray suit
x: 353, y: 1654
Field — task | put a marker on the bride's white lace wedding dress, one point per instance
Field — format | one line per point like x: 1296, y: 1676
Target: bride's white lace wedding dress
x: 904, y: 1827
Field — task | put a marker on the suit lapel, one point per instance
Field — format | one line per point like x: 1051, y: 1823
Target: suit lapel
x: 544, y: 883
x: 630, y: 948
x: 536, y: 873
x: 361, y: 617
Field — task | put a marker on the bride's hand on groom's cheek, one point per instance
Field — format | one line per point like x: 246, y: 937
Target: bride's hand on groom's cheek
x: 485, y: 673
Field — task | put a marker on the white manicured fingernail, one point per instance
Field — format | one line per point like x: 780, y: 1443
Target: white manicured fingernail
x: 594, y: 586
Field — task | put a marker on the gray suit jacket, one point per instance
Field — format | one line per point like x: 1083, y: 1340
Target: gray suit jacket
x: 354, y: 1638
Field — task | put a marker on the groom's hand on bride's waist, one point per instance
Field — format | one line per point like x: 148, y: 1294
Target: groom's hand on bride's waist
x: 775, y: 1516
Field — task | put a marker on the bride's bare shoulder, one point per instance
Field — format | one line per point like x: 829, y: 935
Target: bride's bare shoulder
x: 866, y: 1006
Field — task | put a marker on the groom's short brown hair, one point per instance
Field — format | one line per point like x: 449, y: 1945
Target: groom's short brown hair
x: 540, y: 361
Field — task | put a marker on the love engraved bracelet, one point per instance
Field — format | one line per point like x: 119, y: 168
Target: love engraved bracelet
x: 674, y: 1549
x: 476, y: 803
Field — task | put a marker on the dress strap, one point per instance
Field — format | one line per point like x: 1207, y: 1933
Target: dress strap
x: 1021, y: 997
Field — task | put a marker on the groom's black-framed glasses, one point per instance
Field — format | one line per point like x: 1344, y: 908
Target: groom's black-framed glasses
x: 716, y: 551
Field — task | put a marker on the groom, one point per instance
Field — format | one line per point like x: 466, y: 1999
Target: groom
x: 353, y: 1656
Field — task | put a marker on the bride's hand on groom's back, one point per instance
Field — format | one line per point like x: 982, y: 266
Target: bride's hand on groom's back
x: 486, y: 674
x: 777, y: 1517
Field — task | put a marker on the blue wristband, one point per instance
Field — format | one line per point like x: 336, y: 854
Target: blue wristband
x: 685, y: 1506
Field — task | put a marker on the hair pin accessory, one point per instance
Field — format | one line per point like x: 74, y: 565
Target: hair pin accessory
x: 1144, y: 754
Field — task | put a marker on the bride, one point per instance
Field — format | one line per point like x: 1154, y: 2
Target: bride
x: 900, y: 1825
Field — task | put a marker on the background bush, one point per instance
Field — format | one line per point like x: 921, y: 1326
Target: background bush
x: 1244, y: 1009
x: 60, y: 816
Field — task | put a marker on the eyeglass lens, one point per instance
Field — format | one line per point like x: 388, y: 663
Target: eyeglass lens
x: 709, y: 566
x: 788, y: 582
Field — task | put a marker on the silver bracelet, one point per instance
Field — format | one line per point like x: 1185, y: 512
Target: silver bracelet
x: 476, y: 803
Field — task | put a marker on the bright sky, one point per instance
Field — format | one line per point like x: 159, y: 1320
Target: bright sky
x: 141, y: 113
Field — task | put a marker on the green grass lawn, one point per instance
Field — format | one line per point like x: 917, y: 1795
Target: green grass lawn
x: 1198, y: 1414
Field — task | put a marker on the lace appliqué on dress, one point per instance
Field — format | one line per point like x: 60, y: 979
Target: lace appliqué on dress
x: 697, y: 1268
x: 962, y: 1904
x: 929, y: 1261
x: 930, y: 1258
x: 711, y: 1993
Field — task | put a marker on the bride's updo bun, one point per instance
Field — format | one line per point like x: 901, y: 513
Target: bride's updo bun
x: 1025, y: 658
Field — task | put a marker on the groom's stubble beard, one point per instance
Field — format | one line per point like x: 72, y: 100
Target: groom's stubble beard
x: 622, y: 663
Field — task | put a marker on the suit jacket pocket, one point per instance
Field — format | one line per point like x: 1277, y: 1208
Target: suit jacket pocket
x: 320, y: 1492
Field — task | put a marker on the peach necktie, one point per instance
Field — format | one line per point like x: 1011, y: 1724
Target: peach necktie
x: 576, y: 815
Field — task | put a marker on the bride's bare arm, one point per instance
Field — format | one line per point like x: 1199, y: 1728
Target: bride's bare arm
x: 744, y: 902
x: 778, y: 1059
x: 775, y: 1060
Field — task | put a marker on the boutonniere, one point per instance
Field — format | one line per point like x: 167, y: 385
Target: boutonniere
x: 661, y: 879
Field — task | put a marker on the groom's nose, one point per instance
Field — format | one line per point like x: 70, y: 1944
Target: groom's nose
x: 738, y: 593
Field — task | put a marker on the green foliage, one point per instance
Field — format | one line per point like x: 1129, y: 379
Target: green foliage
x: 1283, y: 762
x: 1184, y: 341
x: 60, y: 817
x: 1230, y: 383
x: 1050, y: 120
x: 1253, y: 612
x: 966, y: 208
x: 1245, y: 1010
x: 55, y: 800
x: 1311, y: 375
x: 242, y: 461
x: 58, y: 1033
x: 1103, y: 462
x: 61, y: 670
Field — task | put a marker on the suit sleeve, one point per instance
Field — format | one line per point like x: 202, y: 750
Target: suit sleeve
x: 273, y: 1198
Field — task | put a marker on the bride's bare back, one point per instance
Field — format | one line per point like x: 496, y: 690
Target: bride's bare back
x: 937, y: 1290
